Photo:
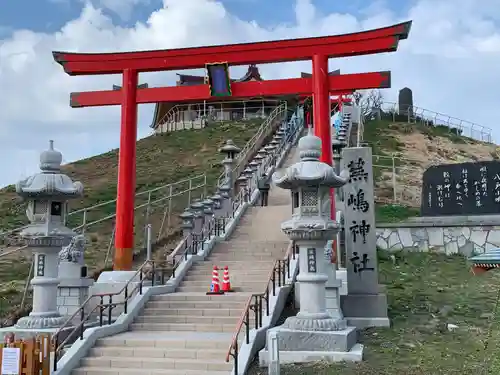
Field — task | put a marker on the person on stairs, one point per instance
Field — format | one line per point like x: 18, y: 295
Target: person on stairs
x: 264, y: 187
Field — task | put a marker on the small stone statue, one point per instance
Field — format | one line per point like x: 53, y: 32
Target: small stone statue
x: 74, y: 251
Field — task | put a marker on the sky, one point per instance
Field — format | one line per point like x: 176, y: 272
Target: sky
x: 450, y: 60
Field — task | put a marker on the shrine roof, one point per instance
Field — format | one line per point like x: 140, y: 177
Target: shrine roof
x: 309, y: 75
x: 252, y: 72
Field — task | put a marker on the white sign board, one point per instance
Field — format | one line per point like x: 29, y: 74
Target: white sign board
x: 11, y: 359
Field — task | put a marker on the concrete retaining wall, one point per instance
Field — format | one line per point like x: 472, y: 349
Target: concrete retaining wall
x: 465, y: 235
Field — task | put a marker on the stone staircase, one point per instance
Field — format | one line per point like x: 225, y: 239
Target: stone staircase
x: 188, y: 332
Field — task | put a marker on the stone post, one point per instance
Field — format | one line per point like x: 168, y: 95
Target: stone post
x: 47, y: 194
x: 313, y: 331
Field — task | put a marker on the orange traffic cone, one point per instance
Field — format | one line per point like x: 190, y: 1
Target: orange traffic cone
x: 226, y: 284
x: 215, y: 286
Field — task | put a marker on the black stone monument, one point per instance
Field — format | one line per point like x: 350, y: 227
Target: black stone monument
x: 461, y: 189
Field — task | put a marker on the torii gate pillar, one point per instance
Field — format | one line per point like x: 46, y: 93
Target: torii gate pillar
x: 124, y: 242
x: 321, y: 107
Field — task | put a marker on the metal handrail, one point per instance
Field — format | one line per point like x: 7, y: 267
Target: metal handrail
x: 175, y: 109
x: 443, y: 119
x: 281, y: 268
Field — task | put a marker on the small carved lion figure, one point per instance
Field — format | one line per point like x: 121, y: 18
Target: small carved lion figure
x: 74, y: 251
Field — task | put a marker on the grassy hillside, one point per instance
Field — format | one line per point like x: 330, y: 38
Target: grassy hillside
x: 161, y: 159
x: 412, y: 148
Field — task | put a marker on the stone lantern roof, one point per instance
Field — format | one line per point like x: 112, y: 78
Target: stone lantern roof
x: 309, y: 171
x: 230, y: 147
x: 50, y: 182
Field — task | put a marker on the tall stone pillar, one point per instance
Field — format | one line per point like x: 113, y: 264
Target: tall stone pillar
x: 365, y: 304
x: 313, y: 334
x: 47, y: 194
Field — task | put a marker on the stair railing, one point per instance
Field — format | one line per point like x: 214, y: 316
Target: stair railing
x: 255, y: 303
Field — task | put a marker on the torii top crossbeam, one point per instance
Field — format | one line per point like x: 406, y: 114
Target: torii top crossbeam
x: 130, y: 64
x: 385, y: 39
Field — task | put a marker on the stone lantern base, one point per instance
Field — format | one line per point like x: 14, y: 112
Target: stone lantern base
x: 302, y: 346
x: 41, y: 322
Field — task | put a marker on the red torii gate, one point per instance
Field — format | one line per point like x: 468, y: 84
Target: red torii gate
x: 130, y: 64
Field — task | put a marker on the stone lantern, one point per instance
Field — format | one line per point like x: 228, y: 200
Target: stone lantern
x: 187, y: 224
x: 217, y: 199
x: 241, y: 182
x: 47, y: 194
x: 313, y: 329
x: 208, y: 211
x: 230, y: 150
x: 198, y: 217
x: 248, y: 172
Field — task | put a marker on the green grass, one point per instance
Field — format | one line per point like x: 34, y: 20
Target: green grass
x: 426, y: 292
x: 393, y: 213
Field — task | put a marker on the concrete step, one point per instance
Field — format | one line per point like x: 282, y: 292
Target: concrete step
x: 238, y: 243
x: 176, y: 305
x: 183, y: 327
x: 158, y: 363
x: 243, y: 283
x: 174, y: 341
x: 127, y: 371
x: 253, y: 288
x: 249, y: 269
x: 242, y: 267
x: 222, y: 259
x: 209, y: 312
x: 234, y: 277
x: 198, y: 297
x: 116, y: 351
x: 236, y: 264
x: 192, y: 319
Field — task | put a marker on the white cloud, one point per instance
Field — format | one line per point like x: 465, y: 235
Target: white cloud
x: 450, y: 61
